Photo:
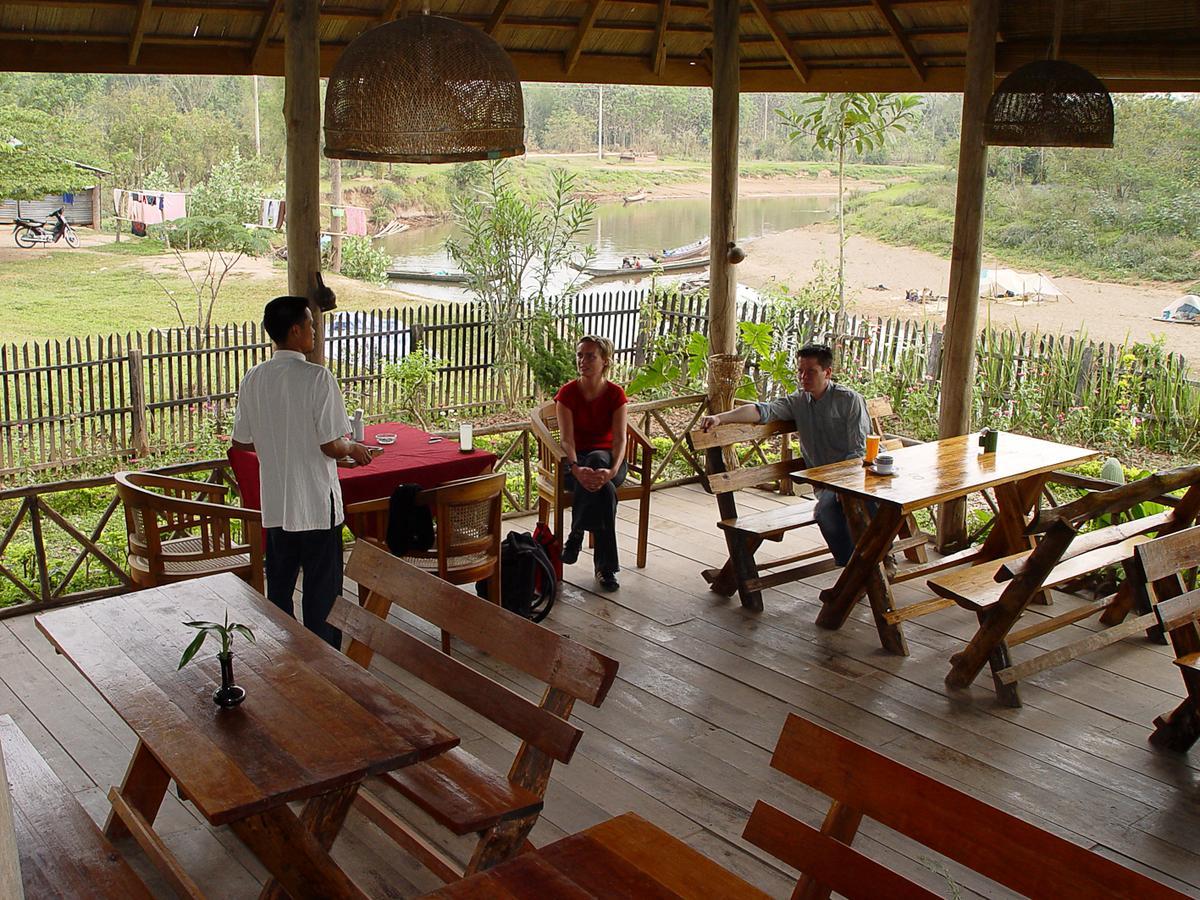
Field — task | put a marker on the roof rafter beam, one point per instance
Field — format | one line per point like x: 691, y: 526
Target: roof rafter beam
x: 497, y: 17
x: 264, y: 30
x: 660, y: 37
x: 906, y: 47
x: 781, y: 38
x: 139, y: 30
x: 585, y: 25
x: 393, y: 9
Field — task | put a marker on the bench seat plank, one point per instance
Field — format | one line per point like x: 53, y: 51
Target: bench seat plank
x: 462, y: 793
x: 63, y: 852
x: 768, y: 523
x: 976, y: 588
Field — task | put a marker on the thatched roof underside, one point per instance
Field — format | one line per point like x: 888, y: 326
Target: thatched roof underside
x: 786, y: 45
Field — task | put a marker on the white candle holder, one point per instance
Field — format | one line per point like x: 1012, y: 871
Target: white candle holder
x: 466, y: 437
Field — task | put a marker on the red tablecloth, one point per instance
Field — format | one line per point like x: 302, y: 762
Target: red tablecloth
x: 411, y: 460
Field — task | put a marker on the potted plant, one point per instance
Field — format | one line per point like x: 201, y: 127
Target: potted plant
x: 228, y: 694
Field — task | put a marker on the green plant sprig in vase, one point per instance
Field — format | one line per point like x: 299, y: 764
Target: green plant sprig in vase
x: 228, y: 694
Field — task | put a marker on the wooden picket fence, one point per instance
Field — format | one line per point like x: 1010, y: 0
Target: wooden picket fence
x: 123, y: 394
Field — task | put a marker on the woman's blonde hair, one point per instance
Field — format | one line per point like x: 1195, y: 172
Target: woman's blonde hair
x: 604, y: 345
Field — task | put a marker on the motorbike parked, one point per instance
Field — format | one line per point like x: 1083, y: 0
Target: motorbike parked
x: 30, y: 232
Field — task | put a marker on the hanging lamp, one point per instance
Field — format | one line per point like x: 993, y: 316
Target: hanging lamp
x: 424, y: 89
x: 1050, y: 103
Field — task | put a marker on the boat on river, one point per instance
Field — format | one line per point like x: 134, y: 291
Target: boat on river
x: 636, y: 198
x: 687, y: 251
x: 426, y: 276
x: 663, y: 268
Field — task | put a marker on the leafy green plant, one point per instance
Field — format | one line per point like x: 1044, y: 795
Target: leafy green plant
x: 412, y: 378
x: 550, y: 350
x: 225, y: 631
x: 361, y: 260
x: 511, y: 245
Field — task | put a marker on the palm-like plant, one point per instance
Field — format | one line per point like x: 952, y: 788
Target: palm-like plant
x: 225, y: 631
x: 859, y: 121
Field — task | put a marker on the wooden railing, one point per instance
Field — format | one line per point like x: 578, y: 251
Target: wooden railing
x: 56, y: 543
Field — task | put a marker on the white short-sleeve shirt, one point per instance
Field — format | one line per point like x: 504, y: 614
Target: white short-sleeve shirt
x: 288, y: 407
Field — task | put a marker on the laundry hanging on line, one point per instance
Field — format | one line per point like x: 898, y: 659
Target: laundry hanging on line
x: 150, y: 207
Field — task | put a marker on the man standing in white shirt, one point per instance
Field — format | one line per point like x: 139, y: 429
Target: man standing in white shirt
x: 291, y: 413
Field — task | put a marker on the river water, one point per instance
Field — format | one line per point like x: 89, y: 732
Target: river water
x: 617, y: 231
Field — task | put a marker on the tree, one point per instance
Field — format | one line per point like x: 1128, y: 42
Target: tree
x: 511, y: 246
x: 32, y: 163
x: 215, y: 244
x: 859, y: 121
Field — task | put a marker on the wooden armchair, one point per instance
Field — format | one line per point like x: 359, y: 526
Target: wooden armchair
x: 551, y: 478
x: 466, y: 518
x: 174, y: 537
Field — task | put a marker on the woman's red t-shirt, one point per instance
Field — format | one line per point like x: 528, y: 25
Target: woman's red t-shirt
x: 592, y: 418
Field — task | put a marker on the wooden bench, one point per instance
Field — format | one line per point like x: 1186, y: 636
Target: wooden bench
x: 745, y: 533
x: 62, y: 852
x: 999, y: 591
x: 864, y: 783
x: 460, y: 792
x: 625, y: 856
x: 1158, y: 567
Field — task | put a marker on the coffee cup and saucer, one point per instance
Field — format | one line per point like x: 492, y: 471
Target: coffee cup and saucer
x: 883, y: 464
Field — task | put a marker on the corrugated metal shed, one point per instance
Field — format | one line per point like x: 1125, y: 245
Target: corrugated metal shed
x: 77, y: 212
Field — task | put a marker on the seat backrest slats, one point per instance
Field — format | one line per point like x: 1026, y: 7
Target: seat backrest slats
x: 725, y: 435
x: 544, y: 730
x: 1171, y: 553
x: 537, y: 651
x: 994, y: 843
x: 1178, y: 611
x: 826, y: 860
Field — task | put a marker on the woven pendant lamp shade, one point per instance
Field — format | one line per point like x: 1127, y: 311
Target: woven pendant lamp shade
x: 424, y: 89
x: 1050, y: 103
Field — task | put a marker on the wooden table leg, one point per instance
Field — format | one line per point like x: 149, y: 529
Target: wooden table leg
x: 143, y: 788
x: 871, y: 547
x: 879, y: 590
x: 296, y: 850
x: 1014, y: 501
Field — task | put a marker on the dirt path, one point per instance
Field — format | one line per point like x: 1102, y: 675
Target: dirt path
x: 1104, y: 311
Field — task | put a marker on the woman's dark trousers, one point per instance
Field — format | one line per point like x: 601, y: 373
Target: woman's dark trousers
x: 596, y: 511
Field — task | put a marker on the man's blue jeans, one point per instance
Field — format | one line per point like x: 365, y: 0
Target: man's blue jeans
x: 831, y: 519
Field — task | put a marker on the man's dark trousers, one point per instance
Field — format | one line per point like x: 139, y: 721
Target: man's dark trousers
x: 319, y: 552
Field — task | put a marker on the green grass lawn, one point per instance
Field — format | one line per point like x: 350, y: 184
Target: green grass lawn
x: 105, y: 289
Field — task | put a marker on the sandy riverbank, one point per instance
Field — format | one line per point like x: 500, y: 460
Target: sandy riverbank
x: 1105, y: 311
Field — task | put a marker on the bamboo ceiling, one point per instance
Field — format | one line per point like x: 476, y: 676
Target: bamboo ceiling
x: 786, y: 45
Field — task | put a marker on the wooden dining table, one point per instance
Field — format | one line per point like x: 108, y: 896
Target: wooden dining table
x: 415, y: 457
x: 312, y: 727
x: 925, y: 475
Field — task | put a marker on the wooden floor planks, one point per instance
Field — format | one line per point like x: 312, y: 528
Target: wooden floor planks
x: 685, y: 735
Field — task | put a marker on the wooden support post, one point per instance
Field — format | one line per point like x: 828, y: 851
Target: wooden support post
x: 302, y: 112
x: 958, y: 349
x: 722, y: 308
x: 137, y: 403
x: 335, y: 198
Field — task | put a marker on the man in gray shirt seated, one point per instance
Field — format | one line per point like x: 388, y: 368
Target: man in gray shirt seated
x: 832, y: 423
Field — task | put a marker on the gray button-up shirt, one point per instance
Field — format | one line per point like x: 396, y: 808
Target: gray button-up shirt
x: 831, y: 429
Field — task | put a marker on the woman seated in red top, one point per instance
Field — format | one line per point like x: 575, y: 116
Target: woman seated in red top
x: 592, y: 428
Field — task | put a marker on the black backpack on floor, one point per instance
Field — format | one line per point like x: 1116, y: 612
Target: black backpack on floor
x: 527, y: 582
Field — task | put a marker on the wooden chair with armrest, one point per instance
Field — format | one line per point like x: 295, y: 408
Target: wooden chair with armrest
x: 551, y: 478
x: 458, y: 791
x: 173, y: 536
x: 863, y: 783
x: 466, y: 518
x: 1157, y: 572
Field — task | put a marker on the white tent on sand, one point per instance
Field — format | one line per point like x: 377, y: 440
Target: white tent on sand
x: 1004, y: 283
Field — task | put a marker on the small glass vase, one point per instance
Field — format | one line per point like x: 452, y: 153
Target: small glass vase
x: 228, y: 695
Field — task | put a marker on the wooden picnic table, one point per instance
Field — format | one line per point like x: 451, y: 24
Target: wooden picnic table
x: 313, y: 725
x: 925, y: 475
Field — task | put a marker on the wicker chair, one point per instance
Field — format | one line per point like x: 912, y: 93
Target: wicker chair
x: 551, y: 479
x: 173, y: 536
x: 466, y: 515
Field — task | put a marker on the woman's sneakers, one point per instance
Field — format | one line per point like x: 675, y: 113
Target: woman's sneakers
x: 570, y: 551
x: 608, y: 580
